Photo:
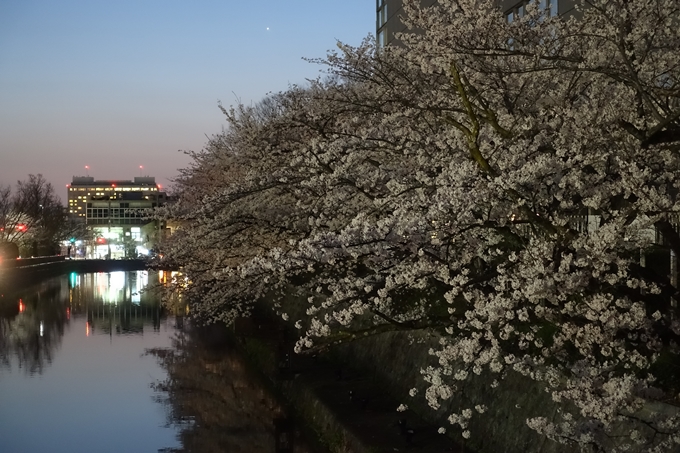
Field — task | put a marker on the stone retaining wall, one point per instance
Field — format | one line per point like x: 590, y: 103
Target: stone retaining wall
x: 396, y: 360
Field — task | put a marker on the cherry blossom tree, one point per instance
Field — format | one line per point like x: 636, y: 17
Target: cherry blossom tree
x: 508, y: 187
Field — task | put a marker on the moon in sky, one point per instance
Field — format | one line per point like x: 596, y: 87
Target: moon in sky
x: 267, y: 28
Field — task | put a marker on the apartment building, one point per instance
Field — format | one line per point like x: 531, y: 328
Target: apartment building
x: 388, y: 14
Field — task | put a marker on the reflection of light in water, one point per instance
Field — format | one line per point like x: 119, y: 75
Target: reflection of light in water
x: 174, y: 276
x: 134, y: 282
x: 139, y: 282
x: 117, y: 282
x: 116, y: 287
x: 73, y: 278
x: 22, y: 306
x: 110, y: 286
x: 87, y: 329
x: 42, y: 328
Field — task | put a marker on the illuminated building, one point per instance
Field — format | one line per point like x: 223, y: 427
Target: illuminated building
x: 116, y: 213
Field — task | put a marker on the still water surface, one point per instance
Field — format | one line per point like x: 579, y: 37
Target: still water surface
x: 92, y: 363
x: 74, y: 375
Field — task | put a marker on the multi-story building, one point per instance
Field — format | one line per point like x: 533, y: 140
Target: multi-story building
x: 388, y: 14
x: 115, y: 213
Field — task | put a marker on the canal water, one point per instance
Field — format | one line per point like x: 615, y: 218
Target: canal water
x: 94, y: 363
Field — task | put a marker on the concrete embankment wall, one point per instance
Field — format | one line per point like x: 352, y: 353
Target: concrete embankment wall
x: 345, y: 409
x: 396, y: 359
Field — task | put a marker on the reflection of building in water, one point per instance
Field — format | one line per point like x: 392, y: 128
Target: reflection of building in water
x: 117, y: 287
x: 172, y: 300
x: 115, y: 302
x: 112, y: 287
x: 33, y: 321
x: 123, y: 318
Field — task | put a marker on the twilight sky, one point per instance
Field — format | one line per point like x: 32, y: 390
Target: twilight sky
x: 119, y: 84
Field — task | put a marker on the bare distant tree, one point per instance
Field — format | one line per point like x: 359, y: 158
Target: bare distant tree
x: 32, y: 216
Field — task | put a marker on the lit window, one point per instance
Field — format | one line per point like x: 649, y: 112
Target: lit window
x: 520, y: 8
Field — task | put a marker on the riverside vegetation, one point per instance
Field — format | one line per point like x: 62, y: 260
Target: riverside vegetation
x: 508, y: 188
